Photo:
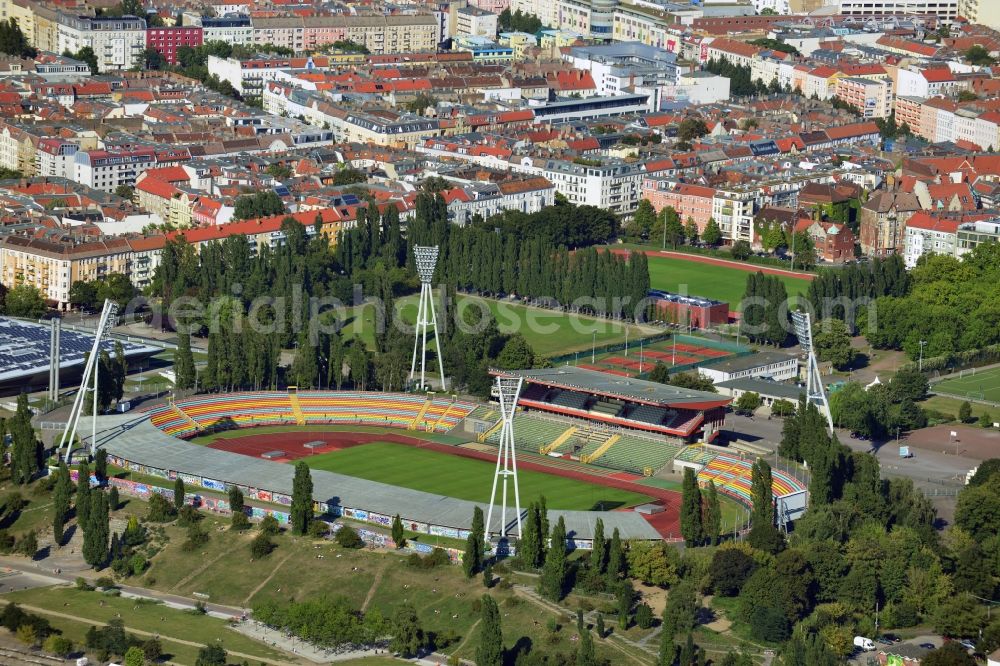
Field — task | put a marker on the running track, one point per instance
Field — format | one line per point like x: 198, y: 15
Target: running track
x: 667, y: 523
x: 729, y: 263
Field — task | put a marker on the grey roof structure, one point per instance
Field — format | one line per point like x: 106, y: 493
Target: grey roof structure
x: 639, y: 390
x: 758, y: 360
x: 133, y: 437
x: 764, y: 387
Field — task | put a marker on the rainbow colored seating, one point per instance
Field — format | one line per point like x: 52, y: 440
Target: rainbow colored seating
x: 238, y: 410
x: 732, y: 477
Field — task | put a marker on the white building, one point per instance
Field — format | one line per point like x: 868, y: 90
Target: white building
x: 928, y: 235
x: 618, y: 67
x: 473, y: 21
x: 916, y: 82
x: 943, y: 10
x: 528, y: 195
x: 118, y: 43
x: 248, y: 77
x: 770, y: 364
x: 983, y: 12
x: 972, y: 234
x: 104, y: 170
x: 229, y: 29
x: 56, y: 158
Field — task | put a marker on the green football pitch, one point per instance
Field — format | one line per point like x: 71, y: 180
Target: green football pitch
x: 721, y: 283
x: 465, y: 478
x: 975, y: 384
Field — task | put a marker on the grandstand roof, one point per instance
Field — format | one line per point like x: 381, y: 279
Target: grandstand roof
x: 623, y: 388
x: 135, y: 438
x: 764, y: 387
x: 24, y: 348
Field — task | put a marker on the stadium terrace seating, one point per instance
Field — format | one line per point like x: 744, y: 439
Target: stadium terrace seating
x: 648, y: 414
x: 397, y: 410
x: 635, y: 453
x: 571, y: 400
x: 607, y: 407
x: 484, y: 413
x: 531, y: 432
x: 732, y: 477
x: 534, y: 392
x: 695, y: 454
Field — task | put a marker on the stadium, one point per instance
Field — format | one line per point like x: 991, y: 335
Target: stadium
x: 592, y: 443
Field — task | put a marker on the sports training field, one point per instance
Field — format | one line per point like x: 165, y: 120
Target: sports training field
x: 464, y: 478
x: 721, y: 283
x: 547, y: 331
x: 978, y: 385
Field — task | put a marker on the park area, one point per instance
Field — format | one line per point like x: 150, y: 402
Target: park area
x: 972, y: 384
x: 679, y: 351
x: 717, y: 281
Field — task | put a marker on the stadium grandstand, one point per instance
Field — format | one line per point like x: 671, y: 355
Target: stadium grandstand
x: 215, y: 412
x: 678, y: 414
x: 25, y: 354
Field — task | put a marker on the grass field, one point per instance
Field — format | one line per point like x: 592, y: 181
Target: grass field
x: 721, y: 283
x: 90, y: 607
x: 976, y: 384
x: 464, y: 478
x: 950, y: 406
x: 547, y: 331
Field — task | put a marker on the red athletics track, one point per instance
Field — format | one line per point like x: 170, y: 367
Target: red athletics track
x: 729, y: 263
x: 666, y: 523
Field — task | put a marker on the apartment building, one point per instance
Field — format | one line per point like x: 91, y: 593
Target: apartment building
x: 983, y: 12
x: 105, y: 170
x: 166, y: 40
x: 56, y: 158
x: 612, y: 184
x: 690, y: 201
x: 229, y: 29
x: 872, y: 98
x: 380, y: 34
x: 528, y: 195
x: 118, y: 43
x: 470, y: 21
x: 943, y: 10
x: 926, y: 234
x: 969, y: 235
x: 52, y: 266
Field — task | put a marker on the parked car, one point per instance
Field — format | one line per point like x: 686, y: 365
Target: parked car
x: 928, y: 646
x: 967, y: 644
x: 863, y: 643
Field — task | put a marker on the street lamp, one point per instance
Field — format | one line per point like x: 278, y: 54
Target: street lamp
x: 920, y: 363
x: 593, y: 349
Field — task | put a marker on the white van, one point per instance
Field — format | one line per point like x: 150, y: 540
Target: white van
x: 865, y: 644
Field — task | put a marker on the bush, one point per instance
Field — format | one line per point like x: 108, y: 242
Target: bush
x: 188, y: 515
x: 435, y: 558
x: 644, y: 616
x: 160, y: 510
x: 270, y: 525
x: 196, y: 537
x: 28, y: 545
x: 261, y: 546
x: 82, y: 584
x: 57, y: 645
x: 318, y: 529
x: 348, y: 537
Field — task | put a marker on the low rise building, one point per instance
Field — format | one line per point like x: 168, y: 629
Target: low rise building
x: 769, y: 364
x: 118, y: 42
x: 166, y: 40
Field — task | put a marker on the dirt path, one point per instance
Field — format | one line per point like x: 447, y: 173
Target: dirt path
x: 187, y: 579
x: 728, y: 263
x: 375, y: 583
x: 266, y: 580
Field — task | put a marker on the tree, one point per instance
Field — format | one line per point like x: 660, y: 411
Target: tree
x: 24, y: 300
x: 616, y: 568
x: 949, y: 654
x: 978, y: 55
x: 763, y: 533
x: 408, y: 637
x: 211, y: 655
x: 82, y: 493
x: 58, y: 645
x: 585, y: 650
x: 748, y: 403
x: 671, y: 227
x: 516, y: 354
x: 598, y: 553
x: 397, y: 531
x: 654, y: 563
x: 490, y: 650
x: 599, y: 625
x: 965, y: 412
x: 135, y: 657
x: 643, y: 220
x: 552, y: 582
x: 184, y: 374
x: 729, y: 570
x: 691, y: 128
x: 13, y: 41
x: 741, y: 250
x: 178, y: 493
x: 101, y: 466
x: 712, y: 234
x: 302, y: 499
x: 644, y: 616
x: 85, y: 55
x: 62, y: 490
x: 626, y: 596
x: 713, y: 514
x: 24, y: 456
x: 691, y: 528
x: 96, y: 531
x: 833, y: 343
x: 470, y: 565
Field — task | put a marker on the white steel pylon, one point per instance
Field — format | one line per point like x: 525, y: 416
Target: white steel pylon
x: 89, y: 382
x: 426, y: 258
x: 815, y: 392
x: 509, y: 389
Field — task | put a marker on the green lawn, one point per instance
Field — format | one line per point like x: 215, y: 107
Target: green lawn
x: 143, y: 616
x: 721, y: 283
x: 980, y: 385
x: 950, y: 407
x: 464, y: 478
x: 547, y: 331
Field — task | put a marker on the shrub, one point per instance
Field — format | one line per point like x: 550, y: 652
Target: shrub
x: 57, y: 645
x: 82, y: 584
x: 270, y: 525
x: 348, y: 537
x: 318, y: 529
x: 188, y: 515
x: 261, y: 546
x: 196, y: 537
x: 644, y: 616
x: 28, y: 545
x: 160, y: 510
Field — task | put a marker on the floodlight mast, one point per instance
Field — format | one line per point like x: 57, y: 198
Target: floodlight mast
x: 815, y: 393
x: 426, y: 259
x: 89, y: 383
x: 509, y: 388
